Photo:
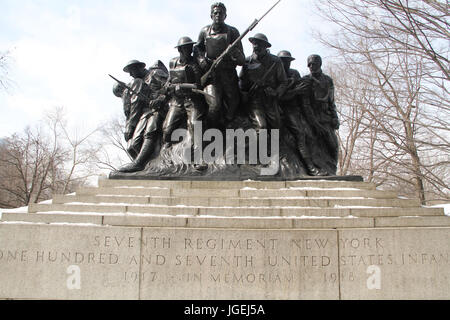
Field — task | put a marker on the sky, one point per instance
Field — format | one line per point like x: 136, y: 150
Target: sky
x: 61, y: 52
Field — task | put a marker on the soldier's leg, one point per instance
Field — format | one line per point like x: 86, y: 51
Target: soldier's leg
x: 257, y: 117
x: 150, y: 139
x: 196, y: 112
x: 293, y: 124
x: 231, y: 95
x: 272, y: 115
x: 215, y: 104
x: 173, y: 120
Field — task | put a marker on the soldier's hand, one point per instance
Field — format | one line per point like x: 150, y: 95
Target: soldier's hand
x: 270, y: 92
x: 301, y: 88
x: 128, y: 135
x: 335, y: 123
x: 178, y: 90
x: 204, y: 63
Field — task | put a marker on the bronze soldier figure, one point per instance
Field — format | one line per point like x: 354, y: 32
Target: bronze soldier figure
x: 262, y: 81
x: 223, y: 84
x: 321, y: 100
x: 293, y: 118
x: 146, y: 115
x: 185, y: 100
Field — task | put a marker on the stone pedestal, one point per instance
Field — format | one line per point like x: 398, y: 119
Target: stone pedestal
x: 231, y: 240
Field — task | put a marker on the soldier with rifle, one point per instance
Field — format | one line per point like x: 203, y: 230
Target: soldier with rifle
x: 262, y: 81
x: 219, y: 51
x: 222, y: 82
x: 186, y: 99
x: 320, y: 98
x: 146, y: 113
x: 294, y: 113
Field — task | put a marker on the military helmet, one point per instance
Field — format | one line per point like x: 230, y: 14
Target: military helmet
x: 314, y: 57
x: 159, y: 65
x: 284, y: 54
x: 260, y: 37
x: 133, y: 63
x: 118, y: 89
x: 184, y: 41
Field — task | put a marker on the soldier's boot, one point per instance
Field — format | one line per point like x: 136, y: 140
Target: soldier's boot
x: 313, y: 170
x: 310, y: 167
x: 141, y: 160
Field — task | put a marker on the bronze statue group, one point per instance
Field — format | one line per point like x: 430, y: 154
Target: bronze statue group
x: 202, y: 85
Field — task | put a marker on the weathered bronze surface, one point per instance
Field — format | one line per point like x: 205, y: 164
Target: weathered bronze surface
x: 199, y: 119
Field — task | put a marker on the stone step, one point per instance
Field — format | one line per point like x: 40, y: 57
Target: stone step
x: 54, y: 217
x: 101, y: 208
x: 205, y: 201
x: 132, y: 220
x: 244, y: 193
x: 124, y: 191
x: 410, y: 221
x: 239, y: 223
x: 235, y: 211
x: 235, y: 184
x: 136, y: 220
x: 320, y: 192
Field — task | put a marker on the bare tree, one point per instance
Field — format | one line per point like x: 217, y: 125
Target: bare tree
x: 45, y: 160
x: 5, y: 59
x: 112, y: 153
x: 398, y: 51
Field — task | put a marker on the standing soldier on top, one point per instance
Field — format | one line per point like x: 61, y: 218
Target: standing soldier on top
x: 320, y: 98
x: 213, y: 40
x: 293, y: 113
x: 262, y: 81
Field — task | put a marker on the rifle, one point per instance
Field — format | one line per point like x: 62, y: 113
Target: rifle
x: 233, y: 45
x: 140, y: 94
x: 263, y: 79
x: 191, y: 86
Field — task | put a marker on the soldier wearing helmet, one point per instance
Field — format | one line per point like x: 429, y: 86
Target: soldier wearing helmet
x: 223, y: 86
x: 293, y: 113
x: 320, y: 98
x: 184, y: 103
x: 262, y: 81
x: 145, y: 116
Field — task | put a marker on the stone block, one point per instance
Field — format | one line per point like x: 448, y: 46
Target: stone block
x: 333, y: 223
x: 377, y: 194
x: 395, y: 263
x: 395, y: 212
x: 330, y: 184
x: 300, y: 202
x: 430, y: 221
x: 131, y: 220
x: 272, y: 193
x: 53, y: 218
x: 316, y: 212
x: 124, y: 191
x: 217, y: 193
x: 144, y: 183
x: 100, y: 199
x: 163, y: 210
x: 242, y: 212
x: 240, y: 223
x: 100, y: 208
x: 68, y: 262
x: 401, y: 203
x: 211, y: 264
